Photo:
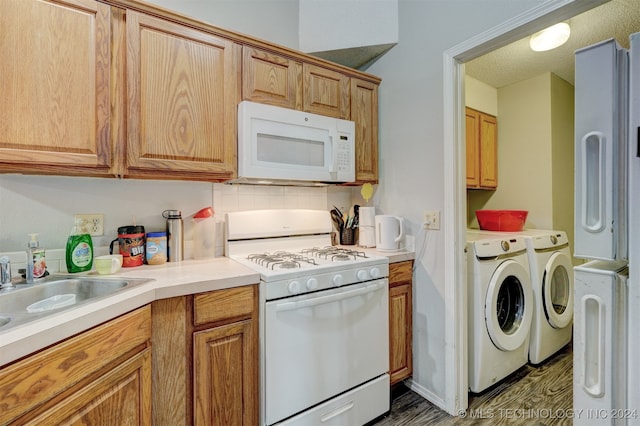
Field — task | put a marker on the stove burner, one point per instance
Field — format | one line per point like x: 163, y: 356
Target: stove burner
x: 340, y: 257
x: 287, y: 260
x: 287, y: 264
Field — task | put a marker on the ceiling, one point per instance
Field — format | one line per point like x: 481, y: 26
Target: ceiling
x: 517, y: 62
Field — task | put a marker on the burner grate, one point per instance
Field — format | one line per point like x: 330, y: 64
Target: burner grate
x: 281, y: 260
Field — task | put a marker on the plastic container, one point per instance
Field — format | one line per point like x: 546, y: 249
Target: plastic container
x: 130, y: 245
x: 79, y: 252
x: 502, y: 220
x: 204, y: 234
x: 156, y: 248
x: 36, y: 261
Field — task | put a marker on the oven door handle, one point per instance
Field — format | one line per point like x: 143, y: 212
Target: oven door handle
x: 290, y: 306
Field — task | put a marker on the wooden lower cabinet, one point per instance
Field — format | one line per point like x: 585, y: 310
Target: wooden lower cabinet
x: 205, y: 369
x: 99, y: 377
x: 400, y: 321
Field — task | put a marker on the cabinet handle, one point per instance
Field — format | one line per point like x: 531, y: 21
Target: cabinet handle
x: 593, y: 352
x: 593, y: 147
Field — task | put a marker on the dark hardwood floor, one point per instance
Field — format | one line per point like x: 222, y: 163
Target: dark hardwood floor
x: 532, y: 396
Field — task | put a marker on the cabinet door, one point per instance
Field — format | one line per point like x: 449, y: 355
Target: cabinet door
x: 364, y: 112
x: 226, y: 375
x: 55, y: 87
x: 400, y: 321
x: 120, y: 397
x: 326, y: 92
x: 473, y: 147
x: 482, y: 150
x: 271, y: 79
x: 183, y: 90
x: 488, y: 151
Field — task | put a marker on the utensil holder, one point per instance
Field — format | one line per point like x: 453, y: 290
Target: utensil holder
x: 348, y: 236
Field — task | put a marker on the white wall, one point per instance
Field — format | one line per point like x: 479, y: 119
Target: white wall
x: 480, y: 96
x: 535, y: 154
x: 342, y: 24
x: 272, y: 20
x: 411, y: 152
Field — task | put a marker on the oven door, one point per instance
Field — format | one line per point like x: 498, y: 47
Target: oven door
x: 319, y: 345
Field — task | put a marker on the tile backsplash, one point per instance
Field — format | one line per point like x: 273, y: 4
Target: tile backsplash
x: 46, y: 205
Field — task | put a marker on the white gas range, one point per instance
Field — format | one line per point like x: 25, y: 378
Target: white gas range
x: 324, y: 347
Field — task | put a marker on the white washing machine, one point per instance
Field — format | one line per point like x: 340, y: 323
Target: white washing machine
x: 500, y: 307
x: 552, y: 283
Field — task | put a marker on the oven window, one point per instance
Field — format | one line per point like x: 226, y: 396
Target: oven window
x: 287, y: 150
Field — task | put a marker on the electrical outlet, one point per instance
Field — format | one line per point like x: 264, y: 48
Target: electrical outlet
x: 431, y: 219
x: 92, y: 224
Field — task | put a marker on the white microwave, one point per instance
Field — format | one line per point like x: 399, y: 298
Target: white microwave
x: 280, y: 145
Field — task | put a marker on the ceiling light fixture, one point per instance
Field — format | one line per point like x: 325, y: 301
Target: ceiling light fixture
x: 550, y: 38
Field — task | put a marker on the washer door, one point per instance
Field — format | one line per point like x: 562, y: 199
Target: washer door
x: 509, y: 306
x: 557, y: 290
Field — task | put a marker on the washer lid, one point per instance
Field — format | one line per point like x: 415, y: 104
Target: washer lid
x: 509, y: 306
x: 557, y: 290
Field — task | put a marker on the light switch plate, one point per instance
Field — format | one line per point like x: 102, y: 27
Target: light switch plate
x: 432, y: 219
x: 92, y: 224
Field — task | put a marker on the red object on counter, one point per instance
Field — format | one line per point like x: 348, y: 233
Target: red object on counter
x: 501, y: 220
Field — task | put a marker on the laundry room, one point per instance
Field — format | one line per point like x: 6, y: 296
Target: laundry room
x: 520, y: 158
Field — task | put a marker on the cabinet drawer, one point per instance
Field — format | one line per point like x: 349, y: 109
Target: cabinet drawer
x: 34, y: 380
x: 400, y: 272
x: 224, y: 304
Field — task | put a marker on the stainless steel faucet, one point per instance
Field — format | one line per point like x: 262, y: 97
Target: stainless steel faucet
x: 5, y: 272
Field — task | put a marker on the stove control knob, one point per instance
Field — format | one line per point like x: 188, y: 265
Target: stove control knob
x: 375, y: 272
x: 338, y: 279
x: 294, y: 287
x: 312, y: 283
x: 362, y: 275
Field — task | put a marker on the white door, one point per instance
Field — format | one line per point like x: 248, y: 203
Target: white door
x: 600, y: 151
x: 599, y: 343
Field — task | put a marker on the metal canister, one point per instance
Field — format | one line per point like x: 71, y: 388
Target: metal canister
x: 175, y: 235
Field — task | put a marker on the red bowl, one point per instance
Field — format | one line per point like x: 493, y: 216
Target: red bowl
x: 501, y: 220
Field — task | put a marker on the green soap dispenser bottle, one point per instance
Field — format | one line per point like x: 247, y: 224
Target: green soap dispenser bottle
x: 79, y: 253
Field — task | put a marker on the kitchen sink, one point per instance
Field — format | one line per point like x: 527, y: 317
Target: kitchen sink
x: 55, y: 293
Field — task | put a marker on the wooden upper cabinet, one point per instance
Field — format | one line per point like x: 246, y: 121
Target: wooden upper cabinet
x: 364, y: 112
x: 482, y: 150
x: 271, y: 79
x: 183, y: 87
x: 326, y: 92
x: 55, y: 87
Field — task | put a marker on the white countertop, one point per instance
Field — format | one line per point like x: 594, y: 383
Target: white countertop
x: 169, y: 280
x: 394, y: 256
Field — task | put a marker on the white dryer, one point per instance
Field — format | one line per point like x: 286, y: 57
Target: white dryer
x: 552, y: 283
x: 500, y: 307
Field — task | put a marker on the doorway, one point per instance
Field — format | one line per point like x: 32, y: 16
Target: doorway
x: 521, y: 26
